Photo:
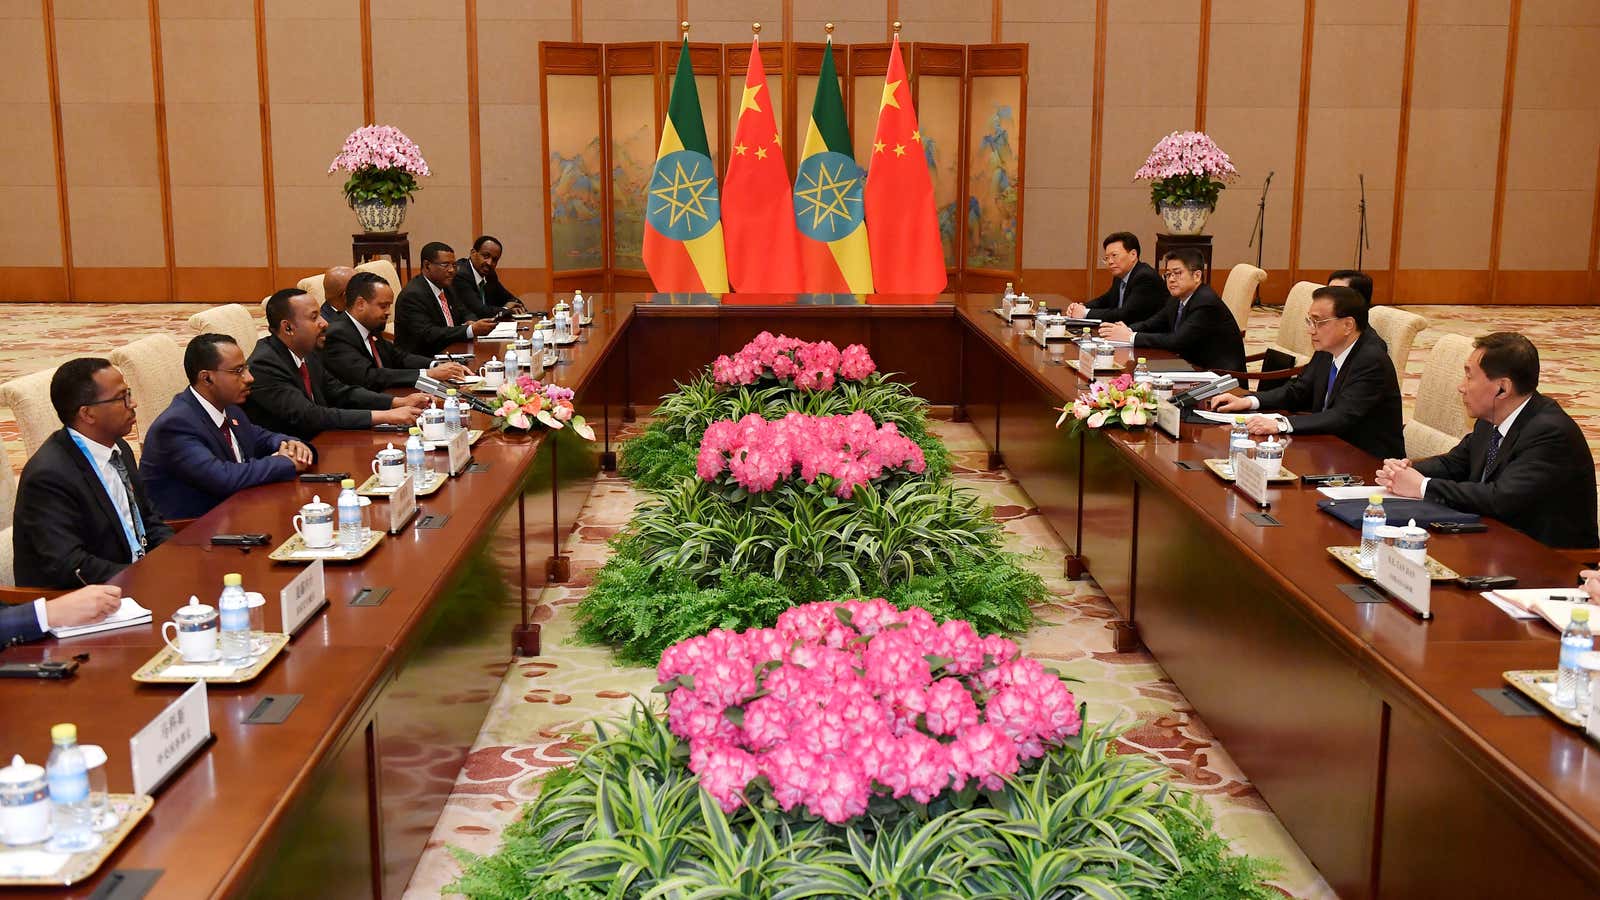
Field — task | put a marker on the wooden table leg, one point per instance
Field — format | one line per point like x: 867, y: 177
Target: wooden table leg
x: 524, y: 636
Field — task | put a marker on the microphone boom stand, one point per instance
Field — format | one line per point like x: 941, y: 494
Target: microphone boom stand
x: 1258, y: 233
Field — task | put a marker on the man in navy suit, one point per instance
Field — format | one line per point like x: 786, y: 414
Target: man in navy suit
x: 30, y: 621
x: 1195, y: 323
x: 203, y: 448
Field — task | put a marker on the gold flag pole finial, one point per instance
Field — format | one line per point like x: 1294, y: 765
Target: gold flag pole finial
x: 829, y: 29
x: 685, y: 26
x: 755, y: 28
x: 897, y: 28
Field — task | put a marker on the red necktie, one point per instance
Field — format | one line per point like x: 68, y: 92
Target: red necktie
x: 305, y: 378
x: 227, y: 438
x: 372, y: 340
x: 445, y: 308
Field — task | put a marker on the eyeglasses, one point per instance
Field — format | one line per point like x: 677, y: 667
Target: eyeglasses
x: 1171, y: 274
x: 236, y: 371
x: 1314, y: 324
x: 441, y: 264
x: 125, y: 398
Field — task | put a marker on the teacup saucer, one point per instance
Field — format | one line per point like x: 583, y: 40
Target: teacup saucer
x: 214, y: 657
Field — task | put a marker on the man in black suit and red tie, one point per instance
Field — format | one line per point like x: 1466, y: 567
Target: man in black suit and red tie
x: 295, y: 394
x: 1525, y: 463
x: 1194, y: 323
x: 1349, y: 388
x: 477, y: 282
x: 428, y: 317
x: 1136, y: 291
x: 358, y: 353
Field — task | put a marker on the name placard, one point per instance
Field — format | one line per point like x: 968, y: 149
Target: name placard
x: 302, y: 597
x: 1169, y: 418
x: 403, y: 504
x: 1406, y: 579
x: 177, y: 733
x: 460, y: 451
x: 1086, y: 360
x: 1251, y: 478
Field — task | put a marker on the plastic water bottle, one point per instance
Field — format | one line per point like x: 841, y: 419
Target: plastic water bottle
x: 563, y: 325
x: 1240, y: 430
x: 511, y: 362
x: 1571, y: 680
x: 1372, y: 519
x: 577, y: 311
x: 452, y: 411
x: 416, y: 458
x: 67, y: 774
x: 352, y: 530
x: 536, y: 347
x: 1141, y: 372
x: 233, y: 620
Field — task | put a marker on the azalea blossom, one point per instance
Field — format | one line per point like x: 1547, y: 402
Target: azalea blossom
x: 809, y: 366
x: 757, y: 454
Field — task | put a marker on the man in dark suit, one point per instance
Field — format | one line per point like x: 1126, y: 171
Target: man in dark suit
x: 203, y: 449
x: 477, y: 284
x: 23, y: 622
x: 1348, y: 389
x: 294, y: 393
x: 1525, y: 463
x: 334, y: 283
x: 1353, y: 278
x: 82, y: 511
x: 428, y: 317
x: 1194, y: 323
x: 358, y: 353
x: 1136, y: 292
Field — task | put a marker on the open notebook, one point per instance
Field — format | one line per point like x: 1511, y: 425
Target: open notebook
x: 1554, y: 605
x: 130, y: 614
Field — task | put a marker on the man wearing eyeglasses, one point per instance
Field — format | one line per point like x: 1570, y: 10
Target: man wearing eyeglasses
x: 1349, y: 388
x: 427, y: 316
x: 1136, y: 292
x: 203, y: 449
x: 82, y: 511
x: 1194, y: 323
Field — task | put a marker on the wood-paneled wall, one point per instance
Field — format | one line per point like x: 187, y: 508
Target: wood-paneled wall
x: 162, y: 149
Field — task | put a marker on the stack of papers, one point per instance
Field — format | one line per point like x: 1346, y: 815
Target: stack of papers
x: 1353, y: 492
x: 1554, y: 605
x: 1194, y: 377
x: 504, y: 331
x: 1227, y: 418
x: 130, y: 614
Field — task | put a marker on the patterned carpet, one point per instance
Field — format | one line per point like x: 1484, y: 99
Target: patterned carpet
x: 543, y: 701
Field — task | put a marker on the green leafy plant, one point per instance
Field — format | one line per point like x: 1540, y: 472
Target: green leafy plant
x: 629, y: 820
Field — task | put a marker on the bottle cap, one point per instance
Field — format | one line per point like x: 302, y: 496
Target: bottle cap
x: 233, y: 579
x: 348, y: 484
x: 66, y: 732
x: 1141, y: 360
x: 415, y: 430
x: 1376, y: 499
x: 450, y: 393
x: 1238, y: 420
x: 1580, y: 614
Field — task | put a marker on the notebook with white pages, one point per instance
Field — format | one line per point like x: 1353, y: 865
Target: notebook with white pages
x: 503, y: 331
x: 1554, y: 605
x: 126, y: 616
x: 1227, y: 418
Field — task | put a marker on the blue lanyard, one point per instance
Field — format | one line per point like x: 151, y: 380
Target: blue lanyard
x: 135, y: 532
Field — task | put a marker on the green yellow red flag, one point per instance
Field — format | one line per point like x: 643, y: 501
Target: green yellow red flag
x: 828, y: 187
x: 683, y: 223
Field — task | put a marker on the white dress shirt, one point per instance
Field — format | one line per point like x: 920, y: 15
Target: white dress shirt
x: 109, y: 478
x: 217, y: 417
x: 1504, y: 428
x: 1338, y: 366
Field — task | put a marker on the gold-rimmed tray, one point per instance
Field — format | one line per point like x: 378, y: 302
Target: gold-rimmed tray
x: 1224, y: 470
x: 154, y: 671
x: 1051, y: 339
x: 1531, y: 684
x: 286, y: 551
x: 131, y: 807
x: 371, y: 488
x: 1351, y: 557
x: 1015, y: 315
x: 1111, y: 367
x: 473, y: 434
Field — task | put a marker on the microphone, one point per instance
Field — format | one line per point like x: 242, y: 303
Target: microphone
x: 1204, y: 391
x: 435, y: 388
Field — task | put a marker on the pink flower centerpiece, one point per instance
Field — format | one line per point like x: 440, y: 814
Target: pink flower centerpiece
x: 852, y: 450
x: 522, y: 402
x: 1118, y: 402
x: 808, y: 366
x: 1187, y: 170
x: 842, y: 702
x: 384, y: 166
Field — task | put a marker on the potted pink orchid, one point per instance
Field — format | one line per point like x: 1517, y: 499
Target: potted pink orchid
x: 1117, y: 402
x: 384, y: 166
x: 1186, y: 171
x: 521, y: 403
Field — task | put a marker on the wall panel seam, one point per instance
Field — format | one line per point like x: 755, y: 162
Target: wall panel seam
x: 264, y: 100
x: 163, y: 163
x: 53, y: 74
x: 474, y: 125
x: 1097, y: 115
x: 1402, y: 145
x: 369, y: 103
x: 1507, y: 98
x: 1204, y: 56
x: 1297, y: 201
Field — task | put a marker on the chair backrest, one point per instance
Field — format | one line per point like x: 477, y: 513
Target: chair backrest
x: 8, y: 568
x: 1439, y: 419
x: 1240, y: 290
x: 153, y: 367
x: 385, y: 269
x: 1293, y: 338
x: 233, y: 320
x: 311, y: 284
x: 28, y: 398
x: 8, y: 487
x: 1399, y: 329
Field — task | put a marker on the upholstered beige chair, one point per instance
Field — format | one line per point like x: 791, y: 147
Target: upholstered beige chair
x: 1293, y: 339
x: 28, y: 398
x: 8, y: 487
x: 8, y: 569
x: 153, y: 367
x: 232, y: 320
x: 1399, y: 329
x: 385, y: 269
x: 1439, y: 420
x: 1240, y: 290
x: 312, y: 284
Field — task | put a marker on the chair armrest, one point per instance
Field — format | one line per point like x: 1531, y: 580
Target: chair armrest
x: 26, y: 595
x: 1273, y: 375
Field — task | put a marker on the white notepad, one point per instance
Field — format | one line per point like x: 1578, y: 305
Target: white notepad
x: 128, y: 615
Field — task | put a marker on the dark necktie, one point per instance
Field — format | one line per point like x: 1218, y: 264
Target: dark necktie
x: 1493, y: 454
x: 1122, y: 292
x: 372, y: 341
x: 1327, y: 394
x: 483, y: 292
x: 133, y: 502
x: 227, y: 439
x: 305, y: 379
x: 1179, y: 317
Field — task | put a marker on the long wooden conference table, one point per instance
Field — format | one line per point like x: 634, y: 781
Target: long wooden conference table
x: 1358, y: 723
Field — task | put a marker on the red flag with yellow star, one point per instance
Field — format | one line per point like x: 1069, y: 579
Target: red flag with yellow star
x: 757, y: 202
x: 902, y: 225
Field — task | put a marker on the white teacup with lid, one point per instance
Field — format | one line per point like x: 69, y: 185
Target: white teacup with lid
x: 493, y: 373
x: 390, y: 466
x: 1269, y: 453
x: 1413, y: 542
x: 195, y: 629
x: 434, y: 431
x: 24, y: 803
x: 314, y: 523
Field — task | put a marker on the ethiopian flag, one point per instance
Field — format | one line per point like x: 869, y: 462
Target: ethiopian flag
x: 828, y: 189
x: 682, y: 216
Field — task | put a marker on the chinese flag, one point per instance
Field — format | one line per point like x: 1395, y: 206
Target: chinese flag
x: 902, y: 226
x: 757, y: 202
